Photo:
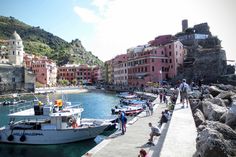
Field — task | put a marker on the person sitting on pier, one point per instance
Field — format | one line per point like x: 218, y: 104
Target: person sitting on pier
x: 155, y: 131
x: 165, y: 116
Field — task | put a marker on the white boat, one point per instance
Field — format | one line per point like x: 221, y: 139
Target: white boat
x: 49, y: 125
x: 128, y: 110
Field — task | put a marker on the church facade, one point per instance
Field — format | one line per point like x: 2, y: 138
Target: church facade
x: 13, y: 75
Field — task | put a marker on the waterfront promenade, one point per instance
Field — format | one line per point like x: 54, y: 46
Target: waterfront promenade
x: 177, y: 139
x: 135, y: 138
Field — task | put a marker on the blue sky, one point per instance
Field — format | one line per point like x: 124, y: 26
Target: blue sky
x: 110, y: 27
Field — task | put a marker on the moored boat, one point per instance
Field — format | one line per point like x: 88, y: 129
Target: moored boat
x: 48, y: 124
x: 128, y: 110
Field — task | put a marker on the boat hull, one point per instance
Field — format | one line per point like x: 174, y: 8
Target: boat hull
x: 50, y: 136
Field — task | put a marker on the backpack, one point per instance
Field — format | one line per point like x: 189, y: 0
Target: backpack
x: 184, y: 88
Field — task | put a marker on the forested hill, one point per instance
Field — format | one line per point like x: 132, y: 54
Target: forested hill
x: 40, y: 42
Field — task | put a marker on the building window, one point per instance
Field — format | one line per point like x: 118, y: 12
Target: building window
x: 166, y: 60
x: 162, y: 69
x: 170, y: 53
x: 152, y: 59
x: 13, y: 52
x: 0, y: 79
x: 145, y: 69
x: 13, y: 42
x: 162, y: 52
x: 18, y: 53
x: 169, y: 46
x: 176, y: 53
x: 162, y: 60
x: 13, y: 79
x: 170, y: 60
x: 153, y: 68
x: 42, y: 74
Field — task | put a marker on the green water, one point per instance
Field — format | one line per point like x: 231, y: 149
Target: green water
x: 95, y: 104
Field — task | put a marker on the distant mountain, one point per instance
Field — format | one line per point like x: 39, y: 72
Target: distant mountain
x: 40, y: 42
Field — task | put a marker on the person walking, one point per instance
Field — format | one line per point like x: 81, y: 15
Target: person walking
x: 123, y: 121
x: 184, y: 87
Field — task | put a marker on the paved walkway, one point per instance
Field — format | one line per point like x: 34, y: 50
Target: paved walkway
x: 177, y: 139
x: 135, y: 138
x: 181, y: 136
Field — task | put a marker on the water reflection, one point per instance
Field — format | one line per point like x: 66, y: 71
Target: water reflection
x: 64, y: 150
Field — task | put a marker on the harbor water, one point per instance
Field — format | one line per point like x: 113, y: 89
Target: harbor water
x: 95, y: 104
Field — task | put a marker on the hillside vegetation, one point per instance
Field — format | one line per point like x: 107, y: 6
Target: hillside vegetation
x: 40, y: 42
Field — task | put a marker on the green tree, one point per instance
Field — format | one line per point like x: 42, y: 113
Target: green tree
x: 74, y: 82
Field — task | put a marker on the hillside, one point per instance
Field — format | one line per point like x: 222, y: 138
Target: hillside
x: 40, y: 42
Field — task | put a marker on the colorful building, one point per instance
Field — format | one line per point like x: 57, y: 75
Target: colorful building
x: 120, y: 70
x: 154, y: 62
x: 44, y: 68
x: 81, y: 73
x: 109, y: 79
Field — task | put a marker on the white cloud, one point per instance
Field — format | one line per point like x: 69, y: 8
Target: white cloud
x: 86, y: 15
x: 121, y: 24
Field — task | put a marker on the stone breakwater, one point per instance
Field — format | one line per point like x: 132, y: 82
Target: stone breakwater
x: 214, y: 112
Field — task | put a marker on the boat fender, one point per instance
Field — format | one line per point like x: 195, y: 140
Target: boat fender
x: 23, y: 138
x: 10, y: 138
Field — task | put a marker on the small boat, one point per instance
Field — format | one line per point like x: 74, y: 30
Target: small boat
x: 51, y: 124
x: 128, y: 110
x: 127, y: 95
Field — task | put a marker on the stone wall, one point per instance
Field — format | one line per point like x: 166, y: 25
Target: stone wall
x: 204, y: 64
x: 11, y: 79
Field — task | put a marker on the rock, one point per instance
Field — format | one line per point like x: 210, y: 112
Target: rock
x: 216, y: 140
x: 207, y: 96
x: 227, y: 102
x: 195, y: 94
x: 212, y: 111
x: 231, y: 116
x: 227, y: 132
x: 223, y: 118
x: 210, y: 143
x: 226, y: 95
x: 214, y: 91
x: 217, y: 101
x: 198, y: 117
x: 233, y: 98
x: 225, y: 87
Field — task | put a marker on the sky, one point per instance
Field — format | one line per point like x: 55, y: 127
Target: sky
x: 110, y: 27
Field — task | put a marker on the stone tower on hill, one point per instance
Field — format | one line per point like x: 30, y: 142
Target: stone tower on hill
x: 15, y: 50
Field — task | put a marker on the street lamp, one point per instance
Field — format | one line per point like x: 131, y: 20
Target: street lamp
x: 161, y: 76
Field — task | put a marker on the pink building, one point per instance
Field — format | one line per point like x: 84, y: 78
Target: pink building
x: 120, y: 69
x: 82, y: 73
x: 44, y: 68
x: 154, y: 62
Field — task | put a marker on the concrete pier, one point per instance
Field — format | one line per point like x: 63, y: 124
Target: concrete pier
x: 135, y: 138
x: 177, y: 139
x: 180, y: 140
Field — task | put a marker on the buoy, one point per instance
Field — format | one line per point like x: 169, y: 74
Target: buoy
x: 23, y: 138
x: 10, y: 138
